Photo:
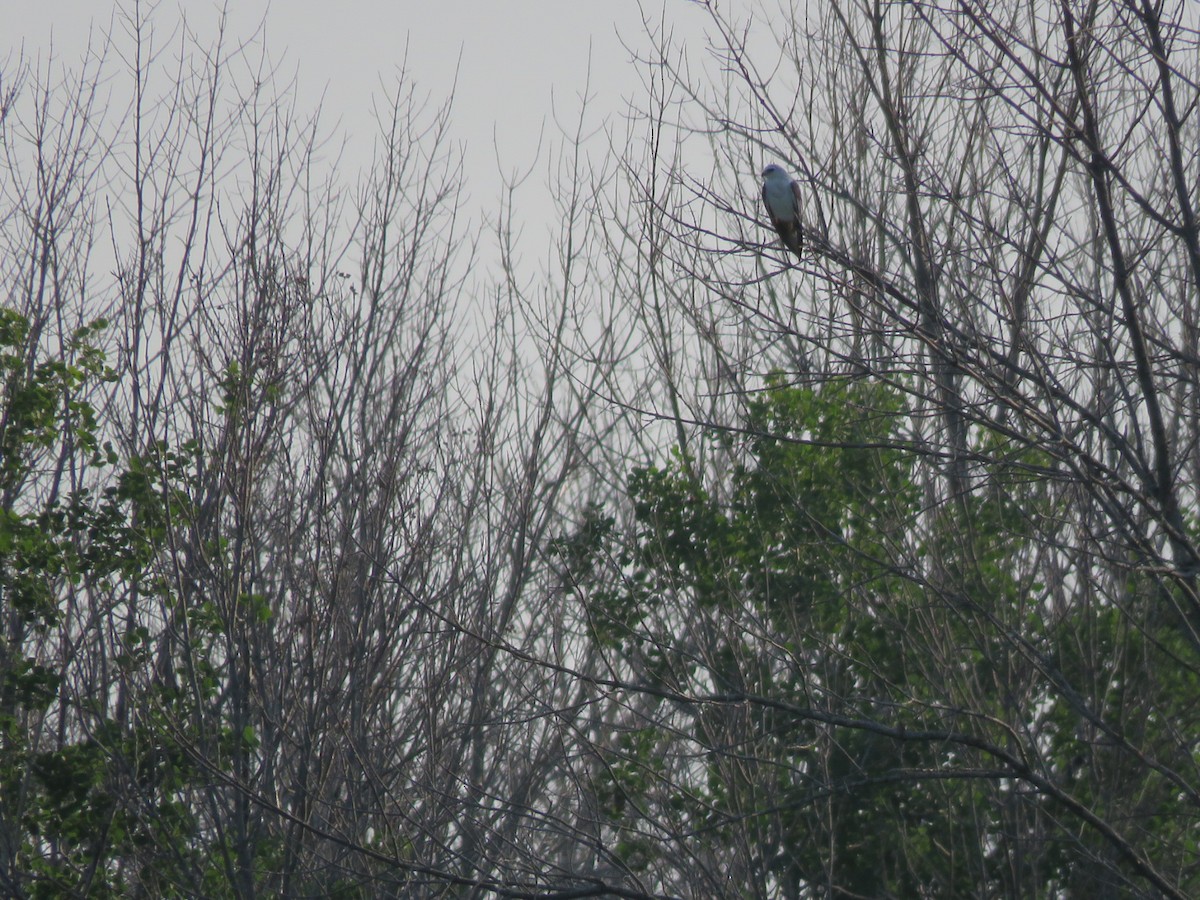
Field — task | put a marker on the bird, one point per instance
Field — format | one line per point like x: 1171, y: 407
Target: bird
x: 782, y: 198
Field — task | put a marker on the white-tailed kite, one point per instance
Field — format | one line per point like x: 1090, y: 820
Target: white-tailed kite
x: 782, y: 198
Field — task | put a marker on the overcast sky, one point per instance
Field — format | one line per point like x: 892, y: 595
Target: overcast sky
x: 512, y: 59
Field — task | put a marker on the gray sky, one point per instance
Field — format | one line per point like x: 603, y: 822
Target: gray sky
x: 511, y: 59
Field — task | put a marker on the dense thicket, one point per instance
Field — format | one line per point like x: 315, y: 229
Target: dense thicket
x: 334, y: 562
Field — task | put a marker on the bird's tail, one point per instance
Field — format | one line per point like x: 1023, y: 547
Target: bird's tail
x: 793, y: 239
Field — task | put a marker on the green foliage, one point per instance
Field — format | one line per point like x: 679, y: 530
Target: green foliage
x: 102, y: 788
x: 111, y: 789
x: 815, y: 576
x: 806, y: 528
x: 788, y: 586
x: 40, y: 396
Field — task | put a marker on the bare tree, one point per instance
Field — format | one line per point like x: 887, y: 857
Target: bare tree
x: 1001, y: 231
x: 340, y: 458
x: 676, y: 566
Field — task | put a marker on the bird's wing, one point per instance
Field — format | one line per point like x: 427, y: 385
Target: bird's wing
x: 783, y: 208
x: 778, y: 223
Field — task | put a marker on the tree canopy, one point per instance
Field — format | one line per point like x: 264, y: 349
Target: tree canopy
x: 339, y: 560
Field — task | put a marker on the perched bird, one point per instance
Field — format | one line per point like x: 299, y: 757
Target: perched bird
x: 782, y: 197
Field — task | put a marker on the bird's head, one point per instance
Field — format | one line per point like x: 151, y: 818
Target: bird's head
x: 773, y: 171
